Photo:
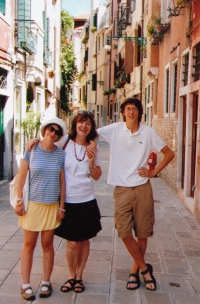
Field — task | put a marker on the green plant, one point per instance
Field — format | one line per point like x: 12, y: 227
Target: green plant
x: 114, y: 46
x: 68, y: 66
x: 31, y: 125
x: 93, y: 29
x: 106, y: 92
x: 150, y: 29
x: 85, y: 39
x: 157, y: 19
x: 80, y: 75
x: 143, y: 48
x: 112, y: 90
x: 181, y: 3
x: 85, y: 100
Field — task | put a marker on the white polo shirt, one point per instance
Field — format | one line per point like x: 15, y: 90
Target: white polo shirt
x: 129, y: 152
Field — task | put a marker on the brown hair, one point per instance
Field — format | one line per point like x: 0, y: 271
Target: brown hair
x: 136, y: 102
x: 83, y: 117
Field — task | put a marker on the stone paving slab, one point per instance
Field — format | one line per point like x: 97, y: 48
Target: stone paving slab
x: 174, y: 252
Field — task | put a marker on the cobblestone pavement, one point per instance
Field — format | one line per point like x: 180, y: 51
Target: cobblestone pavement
x: 174, y: 251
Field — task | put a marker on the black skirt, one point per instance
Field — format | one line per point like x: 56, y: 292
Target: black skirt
x: 81, y: 222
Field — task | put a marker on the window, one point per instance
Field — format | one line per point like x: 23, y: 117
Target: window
x: 167, y: 91
x: 116, y: 109
x: 197, y: 63
x: 173, y: 107
x: 2, y: 6
x: 103, y: 40
x: 99, y: 43
x: 156, y: 97
x: 18, y: 131
x: 24, y: 14
x: 185, y: 69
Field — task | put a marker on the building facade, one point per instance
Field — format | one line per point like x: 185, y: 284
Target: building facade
x: 31, y: 44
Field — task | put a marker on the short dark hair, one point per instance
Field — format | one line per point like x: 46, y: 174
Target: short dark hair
x: 83, y: 117
x: 136, y: 102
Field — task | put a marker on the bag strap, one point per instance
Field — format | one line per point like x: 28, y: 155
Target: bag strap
x: 31, y: 156
x: 65, y: 145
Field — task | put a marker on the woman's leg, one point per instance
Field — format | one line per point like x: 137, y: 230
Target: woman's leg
x: 30, y: 240
x: 83, y: 257
x: 48, y: 253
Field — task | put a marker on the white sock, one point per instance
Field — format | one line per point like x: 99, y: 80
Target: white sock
x: 44, y: 288
x: 28, y: 291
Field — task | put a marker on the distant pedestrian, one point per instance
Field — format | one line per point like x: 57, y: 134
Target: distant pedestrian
x: 130, y: 145
x: 44, y: 213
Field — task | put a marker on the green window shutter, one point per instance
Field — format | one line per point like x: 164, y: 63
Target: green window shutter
x: 46, y: 34
x: 24, y: 14
x: 2, y: 6
x: 94, y: 82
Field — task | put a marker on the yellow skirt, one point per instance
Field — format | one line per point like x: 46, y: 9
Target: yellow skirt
x: 40, y: 217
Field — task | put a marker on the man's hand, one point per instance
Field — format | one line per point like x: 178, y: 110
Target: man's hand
x: 144, y: 172
x: 31, y: 144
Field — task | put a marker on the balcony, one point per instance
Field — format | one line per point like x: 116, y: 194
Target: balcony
x: 123, y: 20
x: 159, y: 33
x: 47, y: 57
x: 121, y: 79
x: 28, y: 41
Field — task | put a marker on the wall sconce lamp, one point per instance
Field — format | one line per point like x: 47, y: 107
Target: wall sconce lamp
x: 141, y: 41
x: 98, y: 81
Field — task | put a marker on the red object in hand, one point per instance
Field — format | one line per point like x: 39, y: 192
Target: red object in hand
x: 152, y: 161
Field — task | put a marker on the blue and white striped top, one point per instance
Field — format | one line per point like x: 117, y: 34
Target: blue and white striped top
x: 44, y: 183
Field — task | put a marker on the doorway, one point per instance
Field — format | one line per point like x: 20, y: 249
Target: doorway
x: 194, y: 143
x: 2, y: 147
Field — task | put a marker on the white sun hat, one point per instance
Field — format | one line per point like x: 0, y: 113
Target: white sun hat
x: 54, y: 121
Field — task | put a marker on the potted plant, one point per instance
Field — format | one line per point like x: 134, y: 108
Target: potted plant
x: 80, y: 75
x: 51, y: 73
x: 112, y: 90
x: 150, y: 29
x: 114, y: 46
x: 106, y: 92
x: 93, y: 29
x: 181, y: 3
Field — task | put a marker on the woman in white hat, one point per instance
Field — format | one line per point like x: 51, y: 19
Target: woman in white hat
x: 82, y: 220
x: 46, y: 203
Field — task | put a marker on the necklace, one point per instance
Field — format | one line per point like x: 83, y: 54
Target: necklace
x: 46, y: 153
x: 79, y: 159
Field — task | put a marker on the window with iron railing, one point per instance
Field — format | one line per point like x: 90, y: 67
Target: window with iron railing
x: 167, y: 91
x: 185, y: 69
x: 3, y: 79
x: 175, y: 69
x: 156, y: 97
x: 196, y: 57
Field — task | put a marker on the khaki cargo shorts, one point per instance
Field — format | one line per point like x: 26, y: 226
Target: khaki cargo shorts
x: 134, y: 209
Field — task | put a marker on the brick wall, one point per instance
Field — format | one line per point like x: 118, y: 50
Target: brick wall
x: 166, y: 129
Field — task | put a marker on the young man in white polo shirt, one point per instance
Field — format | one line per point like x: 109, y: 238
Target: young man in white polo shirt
x: 130, y: 145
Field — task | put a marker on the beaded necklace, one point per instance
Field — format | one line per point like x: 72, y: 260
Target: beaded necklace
x: 79, y: 159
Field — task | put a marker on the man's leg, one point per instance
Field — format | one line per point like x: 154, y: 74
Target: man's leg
x: 134, y: 249
x: 142, y: 243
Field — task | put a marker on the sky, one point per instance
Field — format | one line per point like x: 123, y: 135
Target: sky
x: 75, y: 7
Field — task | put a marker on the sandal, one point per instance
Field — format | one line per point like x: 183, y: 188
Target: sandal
x: 27, y: 296
x: 136, y: 281
x: 82, y: 287
x: 65, y: 288
x: 47, y: 293
x: 153, y: 280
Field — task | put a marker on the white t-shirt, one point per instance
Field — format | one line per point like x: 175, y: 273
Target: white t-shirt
x: 128, y: 152
x: 79, y: 184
